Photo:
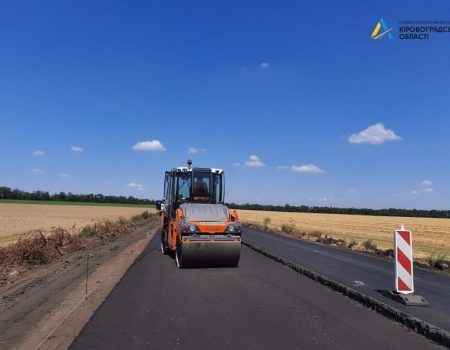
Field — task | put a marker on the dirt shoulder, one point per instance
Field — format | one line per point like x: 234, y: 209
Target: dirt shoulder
x: 48, y: 304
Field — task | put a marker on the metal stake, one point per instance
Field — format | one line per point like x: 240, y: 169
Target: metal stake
x: 87, y: 275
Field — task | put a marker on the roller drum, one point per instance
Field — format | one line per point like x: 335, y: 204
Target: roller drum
x: 202, y: 252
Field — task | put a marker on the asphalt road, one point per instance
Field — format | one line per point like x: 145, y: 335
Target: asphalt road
x: 261, y: 305
x: 362, y: 272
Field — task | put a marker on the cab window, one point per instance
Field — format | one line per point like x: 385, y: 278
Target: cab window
x: 217, y: 188
x: 184, y: 186
x: 201, y: 186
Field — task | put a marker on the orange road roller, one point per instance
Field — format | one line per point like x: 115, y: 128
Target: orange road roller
x: 196, y: 226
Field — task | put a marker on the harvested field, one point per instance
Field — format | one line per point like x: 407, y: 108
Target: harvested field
x: 16, y: 219
x: 430, y: 236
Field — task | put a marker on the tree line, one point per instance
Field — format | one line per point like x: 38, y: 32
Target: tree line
x: 8, y: 193
x: 350, y: 211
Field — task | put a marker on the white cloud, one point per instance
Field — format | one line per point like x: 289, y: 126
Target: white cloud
x: 426, y: 187
x: 64, y: 175
x: 37, y: 171
x: 375, y: 135
x: 153, y: 145
x: 254, y: 162
x: 308, y: 168
x: 264, y: 65
x: 136, y: 186
x: 352, y: 190
x: 427, y: 183
x: 193, y: 150
x: 324, y: 199
x: 77, y: 149
x: 426, y: 190
x: 38, y: 153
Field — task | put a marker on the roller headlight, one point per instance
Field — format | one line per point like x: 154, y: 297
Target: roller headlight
x: 234, y: 228
x: 189, y: 228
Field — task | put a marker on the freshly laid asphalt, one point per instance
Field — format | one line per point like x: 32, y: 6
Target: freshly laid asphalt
x: 361, y: 272
x: 260, y: 305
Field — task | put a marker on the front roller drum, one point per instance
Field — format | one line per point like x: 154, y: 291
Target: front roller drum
x: 208, y: 253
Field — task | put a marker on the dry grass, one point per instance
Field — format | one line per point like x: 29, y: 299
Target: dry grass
x: 430, y: 236
x: 39, y: 248
x: 16, y: 219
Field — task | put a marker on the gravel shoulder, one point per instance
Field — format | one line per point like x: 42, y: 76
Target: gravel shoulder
x: 33, y: 308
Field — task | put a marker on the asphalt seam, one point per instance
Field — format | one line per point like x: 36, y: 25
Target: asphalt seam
x: 417, y: 325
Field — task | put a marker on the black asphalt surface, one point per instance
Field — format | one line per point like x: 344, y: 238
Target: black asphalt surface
x: 361, y: 272
x: 259, y: 305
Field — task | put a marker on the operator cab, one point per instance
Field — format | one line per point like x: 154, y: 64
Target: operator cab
x: 192, y: 185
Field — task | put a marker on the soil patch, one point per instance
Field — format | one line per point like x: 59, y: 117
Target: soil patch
x: 33, y: 304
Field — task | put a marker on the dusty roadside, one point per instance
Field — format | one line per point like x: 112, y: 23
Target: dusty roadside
x: 32, y: 310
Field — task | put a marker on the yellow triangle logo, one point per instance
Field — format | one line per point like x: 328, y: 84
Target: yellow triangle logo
x: 386, y: 31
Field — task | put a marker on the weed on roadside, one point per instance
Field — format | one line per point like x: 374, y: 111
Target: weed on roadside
x: 88, y: 231
x: 369, y: 246
x: 438, y: 260
x: 288, y: 228
x: 266, y: 222
x: 143, y: 216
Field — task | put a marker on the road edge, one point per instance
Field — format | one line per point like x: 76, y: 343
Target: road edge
x: 413, y: 323
x: 59, y: 328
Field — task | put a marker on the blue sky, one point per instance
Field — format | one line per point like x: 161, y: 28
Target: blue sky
x: 271, y: 92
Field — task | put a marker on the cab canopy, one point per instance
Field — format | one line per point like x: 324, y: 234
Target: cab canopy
x: 193, y: 185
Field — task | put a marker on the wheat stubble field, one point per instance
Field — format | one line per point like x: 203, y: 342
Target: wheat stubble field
x: 16, y: 219
x: 429, y: 235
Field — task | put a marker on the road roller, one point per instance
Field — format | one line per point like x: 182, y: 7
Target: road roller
x: 196, y: 226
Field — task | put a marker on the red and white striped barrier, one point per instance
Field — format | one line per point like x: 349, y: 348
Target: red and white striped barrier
x: 404, y: 276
